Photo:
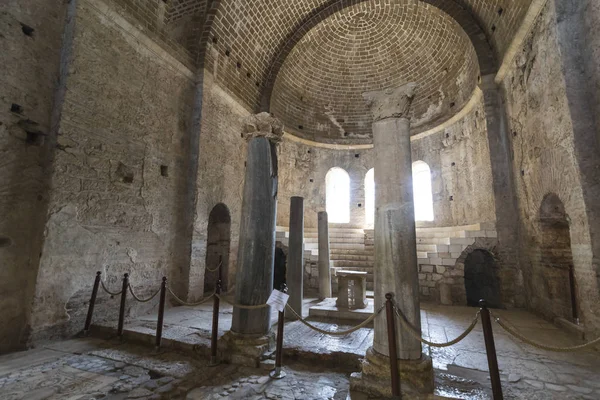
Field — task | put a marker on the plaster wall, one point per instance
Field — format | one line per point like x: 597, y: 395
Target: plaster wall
x: 545, y: 161
x: 119, y: 167
x: 30, y: 31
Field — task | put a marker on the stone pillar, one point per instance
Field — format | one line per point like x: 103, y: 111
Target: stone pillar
x: 295, y: 260
x: 395, y: 269
x: 324, y: 257
x: 254, y: 275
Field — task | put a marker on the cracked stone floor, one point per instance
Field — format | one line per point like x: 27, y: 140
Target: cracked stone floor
x: 318, y: 366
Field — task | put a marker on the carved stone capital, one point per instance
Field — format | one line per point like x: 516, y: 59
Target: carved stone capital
x: 392, y: 102
x: 263, y: 125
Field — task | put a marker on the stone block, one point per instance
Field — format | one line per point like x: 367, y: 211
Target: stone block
x: 427, y: 268
x: 440, y: 269
x: 448, y: 261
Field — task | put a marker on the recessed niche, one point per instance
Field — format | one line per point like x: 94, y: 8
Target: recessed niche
x: 125, y: 173
x: 359, y: 204
x: 16, y: 108
x: 5, y: 241
x: 27, y: 30
x: 164, y: 170
x: 34, y: 138
x: 311, y: 180
x: 300, y: 127
x: 357, y: 155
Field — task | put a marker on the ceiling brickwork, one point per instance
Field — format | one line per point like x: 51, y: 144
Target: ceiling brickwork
x: 371, y: 46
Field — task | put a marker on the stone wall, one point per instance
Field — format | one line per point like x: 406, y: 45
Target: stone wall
x: 30, y: 38
x: 545, y: 162
x: 461, y: 174
x: 458, y: 157
x: 221, y: 171
x: 302, y: 171
x: 118, y: 173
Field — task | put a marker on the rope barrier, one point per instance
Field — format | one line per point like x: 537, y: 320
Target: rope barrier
x: 242, y: 306
x: 216, y: 269
x: 142, y: 300
x: 417, y: 335
x: 108, y: 291
x: 513, y: 331
x: 337, y: 333
x: 185, y: 303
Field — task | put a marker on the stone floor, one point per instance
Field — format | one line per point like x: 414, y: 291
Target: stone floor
x: 321, y: 364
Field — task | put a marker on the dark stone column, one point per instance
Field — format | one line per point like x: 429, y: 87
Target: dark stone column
x: 324, y: 257
x: 295, y: 260
x: 254, y: 275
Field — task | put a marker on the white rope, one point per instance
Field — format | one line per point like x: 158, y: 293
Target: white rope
x: 336, y: 333
x: 142, y: 300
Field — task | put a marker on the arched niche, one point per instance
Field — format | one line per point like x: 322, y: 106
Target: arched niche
x: 217, y: 248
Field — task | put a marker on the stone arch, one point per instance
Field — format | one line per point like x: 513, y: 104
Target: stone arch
x: 487, y: 60
x: 487, y: 246
x: 554, y: 283
x: 218, y: 244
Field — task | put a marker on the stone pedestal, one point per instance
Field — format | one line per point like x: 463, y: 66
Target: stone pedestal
x: 244, y: 349
x: 395, y: 269
x: 352, y: 289
x: 295, y: 260
x: 324, y: 257
x: 254, y: 275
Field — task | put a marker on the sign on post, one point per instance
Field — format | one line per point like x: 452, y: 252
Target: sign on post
x: 278, y: 300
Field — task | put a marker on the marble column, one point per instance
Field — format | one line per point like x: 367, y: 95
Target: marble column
x: 256, y: 251
x: 324, y: 256
x: 295, y: 259
x: 395, y: 269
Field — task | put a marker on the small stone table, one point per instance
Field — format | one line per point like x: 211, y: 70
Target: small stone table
x: 352, y: 289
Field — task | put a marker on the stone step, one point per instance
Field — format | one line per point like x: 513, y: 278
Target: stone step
x: 336, y: 240
x: 358, y: 252
x: 352, y: 264
x: 369, y: 276
x: 423, y: 240
x: 352, y: 257
x: 336, y: 246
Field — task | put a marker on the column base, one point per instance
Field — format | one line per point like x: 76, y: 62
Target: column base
x: 243, y: 349
x: 416, y: 377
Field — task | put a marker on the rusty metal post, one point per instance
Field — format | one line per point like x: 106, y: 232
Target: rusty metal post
x: 161, y: 312
x: 122, y: 308
x: 88, y: 319
x: 490, y: 348
x: 278, y: 373
x: 215, y: 325
x: 391, y: 328
x: 574, y: 308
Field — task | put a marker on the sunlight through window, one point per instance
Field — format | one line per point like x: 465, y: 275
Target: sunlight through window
x: 337, y: 183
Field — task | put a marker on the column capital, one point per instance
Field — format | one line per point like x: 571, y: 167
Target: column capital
x: 262, y: 125
x: 391, y: 102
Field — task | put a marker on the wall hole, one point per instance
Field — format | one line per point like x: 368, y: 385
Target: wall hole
x: 248, y: 74
x: 16, y: 108
x: 500, y: 11
x: 453, y: 164
x: 447, y: 135
x: 215, y: 40
x: 451, y: 198
x: 300, y: 127
x: 308, y: 151
x: 452, y: 104
x: 34, y: 138
x: 238, y: 65
x: 227, y: 53
x: 164, y: 170
x: 5, y: 241
x: 125, y: 173
x: 257, y: 84
x: 311, y: 180
x: 27, y: 30
x: 493, y: 28
x: 522, y: 173
x: 359, y: 204
x: 356, y: 155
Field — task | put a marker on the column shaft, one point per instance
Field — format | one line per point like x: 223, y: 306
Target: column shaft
x: 395, y: 238
x: 324, y: 257
x: 254, y: 275
x: 295, y: 260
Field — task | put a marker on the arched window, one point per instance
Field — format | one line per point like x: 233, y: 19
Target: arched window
x: 337, y: 185
x: 422, y: 192
x: 370, y: 197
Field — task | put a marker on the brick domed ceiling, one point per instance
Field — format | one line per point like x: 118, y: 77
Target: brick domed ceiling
x: 373, y: 45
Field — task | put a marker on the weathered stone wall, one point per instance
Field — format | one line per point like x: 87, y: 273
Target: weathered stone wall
x: 30, y: 38
x: 458, y: 157
x: 302, y: 171
x: 545, y: 161
x: 461, y: 174
x: 118, y: 173
x: 221, y: 170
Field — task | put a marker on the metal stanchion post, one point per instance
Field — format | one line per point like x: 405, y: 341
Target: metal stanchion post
x: 88, y: 319
x: 391, y: 328
x: 122, y: 308
x: 278, y: 373
x: 161, y: 312
x: 490, y: 348
x: 215, y: 326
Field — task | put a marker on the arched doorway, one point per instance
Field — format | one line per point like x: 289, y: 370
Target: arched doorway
x: 217, y: 248
x: 555, y: 281
x: 481, y: 279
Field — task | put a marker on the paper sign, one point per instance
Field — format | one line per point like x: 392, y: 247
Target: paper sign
x: 278, y: 300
